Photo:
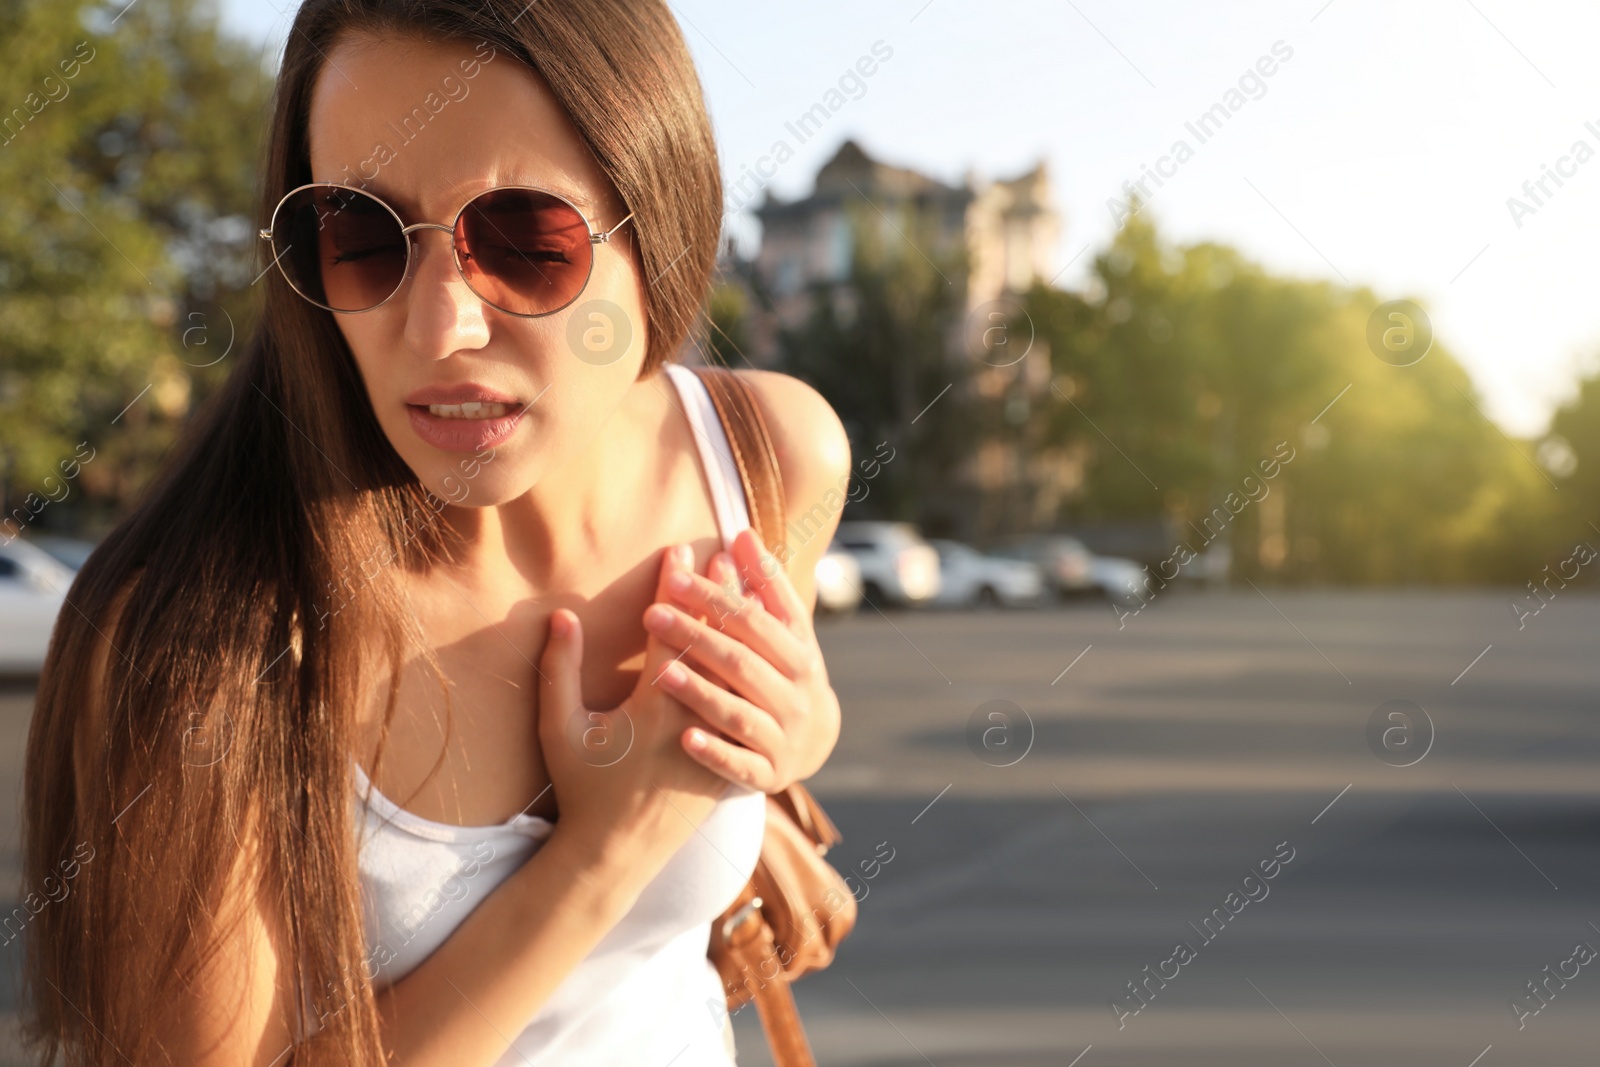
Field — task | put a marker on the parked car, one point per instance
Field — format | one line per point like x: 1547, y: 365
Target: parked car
x: 967, y: 576
x: 33, y: 587
x: 897, y: 565
x: 838, y: 582
x: 1121, y: 581
x: 68, y: 550
x: 1067, y: 565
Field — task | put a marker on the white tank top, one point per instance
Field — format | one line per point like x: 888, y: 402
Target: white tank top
x: 647, y: 994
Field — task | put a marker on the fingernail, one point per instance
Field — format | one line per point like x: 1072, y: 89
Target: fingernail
x: 679, y: 581
x: 697, y: 740
x: 685, y: 555
x: 672, y: 674
x: 657, y: 617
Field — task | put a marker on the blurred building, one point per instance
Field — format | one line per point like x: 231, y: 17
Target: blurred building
x: 1009, y: 230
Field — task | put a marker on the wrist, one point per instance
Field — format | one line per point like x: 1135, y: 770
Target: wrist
x: 606, y: 872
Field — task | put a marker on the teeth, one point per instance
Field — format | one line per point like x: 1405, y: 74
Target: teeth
x: 472, y: 409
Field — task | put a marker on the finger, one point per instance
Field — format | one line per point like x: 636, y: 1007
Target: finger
x: 722, y: 571
x: 560, y: 685
x: 741, y: 721
x: 738, y: 765
x: 726, y: 658
x: 743, y: 618
x: 674, y: 558
x: 766, y: 578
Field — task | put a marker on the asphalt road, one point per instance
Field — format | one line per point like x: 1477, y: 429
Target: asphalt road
x: 1135, y: 776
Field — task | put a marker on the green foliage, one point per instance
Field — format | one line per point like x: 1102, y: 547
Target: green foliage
x: 727, y: 338
x: 126, y: 244
x: 1575, y: 437
x: 1577, y: 423
x: 1196, y: 363
x: 880, y: 350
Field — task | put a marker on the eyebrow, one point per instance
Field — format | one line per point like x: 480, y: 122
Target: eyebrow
x: 399, y: 202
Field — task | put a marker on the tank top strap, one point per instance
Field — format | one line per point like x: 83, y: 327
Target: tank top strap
x: 716, y: 456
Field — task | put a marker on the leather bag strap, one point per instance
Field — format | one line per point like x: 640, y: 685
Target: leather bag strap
x: 780, y: 1018
x: 757, y: 463
x: 775, y: 1002
x: 752, y: 449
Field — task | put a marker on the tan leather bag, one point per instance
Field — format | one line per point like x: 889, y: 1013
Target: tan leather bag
x: 791, y: 916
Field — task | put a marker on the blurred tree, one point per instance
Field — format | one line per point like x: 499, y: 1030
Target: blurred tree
x: 881, y: 348
x: 1572, y: 449
x: 129, y: 141
x: 727, y: 337
x: 1184, y: 367
x: 1569, y: 454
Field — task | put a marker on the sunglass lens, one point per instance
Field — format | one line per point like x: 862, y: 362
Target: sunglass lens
x: 339, y: 247
x: 524, y: 251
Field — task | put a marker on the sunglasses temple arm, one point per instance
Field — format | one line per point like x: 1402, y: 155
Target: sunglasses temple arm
x: 602, y: 238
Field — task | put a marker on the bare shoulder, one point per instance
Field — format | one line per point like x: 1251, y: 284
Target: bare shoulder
x: 813, y: 458
x: 813, y: 449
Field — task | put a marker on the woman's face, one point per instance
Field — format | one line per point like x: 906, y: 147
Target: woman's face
x: 425, y: 127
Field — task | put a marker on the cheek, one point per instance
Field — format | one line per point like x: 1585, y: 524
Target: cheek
x: 361, y: 336
x: 602, y: 334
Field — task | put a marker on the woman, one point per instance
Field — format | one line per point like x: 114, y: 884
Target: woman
x: 295, y: 637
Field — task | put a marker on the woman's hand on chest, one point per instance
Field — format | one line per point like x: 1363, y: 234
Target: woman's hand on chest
x: 750, y: 667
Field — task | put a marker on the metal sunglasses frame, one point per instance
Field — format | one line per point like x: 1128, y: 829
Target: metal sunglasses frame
x: 596, y: 237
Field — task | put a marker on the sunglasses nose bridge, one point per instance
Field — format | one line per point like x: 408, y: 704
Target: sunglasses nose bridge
x: 414, y: 252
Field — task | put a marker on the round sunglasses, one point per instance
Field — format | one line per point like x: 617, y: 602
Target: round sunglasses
x: 523, y: 250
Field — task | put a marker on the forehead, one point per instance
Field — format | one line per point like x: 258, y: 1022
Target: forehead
x: 427, y: 124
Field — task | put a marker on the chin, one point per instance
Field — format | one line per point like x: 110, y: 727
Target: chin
x: 474, y: 480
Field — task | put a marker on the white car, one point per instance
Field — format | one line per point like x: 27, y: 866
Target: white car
x: 33, y: 587
x: 838, y: 582
x: 72, y: 551
x: 897, y: 565
x: 1121, y: 581
x: 1066, y: 563
x: 967, y: 576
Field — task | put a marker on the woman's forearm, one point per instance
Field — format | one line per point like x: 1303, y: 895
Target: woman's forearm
x: 463, y: 1005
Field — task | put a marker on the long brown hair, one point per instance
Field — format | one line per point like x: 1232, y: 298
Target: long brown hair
x: 230, y: 691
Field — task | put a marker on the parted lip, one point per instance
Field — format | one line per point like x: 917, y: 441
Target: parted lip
x: 461, y: 393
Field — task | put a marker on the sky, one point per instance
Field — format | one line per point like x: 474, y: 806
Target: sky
x: 1384, y: 149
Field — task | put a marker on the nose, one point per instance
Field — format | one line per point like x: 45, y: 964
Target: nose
x: 442, y: 314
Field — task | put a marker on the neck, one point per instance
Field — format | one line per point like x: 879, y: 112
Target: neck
x: 549, y: 538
